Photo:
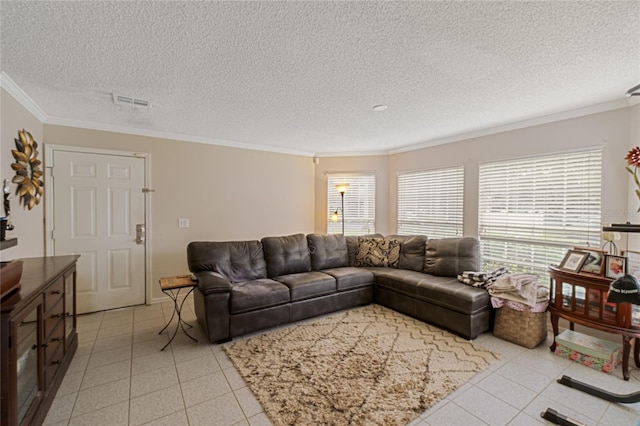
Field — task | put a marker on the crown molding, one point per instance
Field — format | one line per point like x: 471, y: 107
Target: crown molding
x: 58, y: 121
x: 545, y: 119
x: 351, y: 154
x: 20, y: 95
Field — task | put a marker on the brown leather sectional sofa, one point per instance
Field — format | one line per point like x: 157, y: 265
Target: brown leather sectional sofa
x: 246, y: 286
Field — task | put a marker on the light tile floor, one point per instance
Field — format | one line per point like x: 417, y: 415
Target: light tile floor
x: 119, y: 376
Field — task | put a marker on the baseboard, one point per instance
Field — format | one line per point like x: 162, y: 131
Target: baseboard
x: 166, y: 299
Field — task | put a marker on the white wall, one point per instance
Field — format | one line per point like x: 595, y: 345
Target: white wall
x: 609, y: 130
x: 615, y: 131
x: 336, y: 165
x: 226, y: 193
x: 634, y: 202
x: 234, y: 194
x: 29, y: 224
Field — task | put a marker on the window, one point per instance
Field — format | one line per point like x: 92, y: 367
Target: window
x: 359, y: 204
x: 532, y: 210
x: 430, y: 202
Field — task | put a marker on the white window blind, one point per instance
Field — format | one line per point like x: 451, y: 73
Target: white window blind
x: 359, y: 204
x: 532, y: 210
x: 430, y: 202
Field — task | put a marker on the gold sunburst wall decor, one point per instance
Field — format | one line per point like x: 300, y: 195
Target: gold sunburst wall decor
x: 28, y: 173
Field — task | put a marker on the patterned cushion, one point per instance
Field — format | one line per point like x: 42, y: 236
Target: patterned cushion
x: 378, y: 252
x: 352, y: 245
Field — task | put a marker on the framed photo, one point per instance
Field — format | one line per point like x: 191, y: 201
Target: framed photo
x: 573, y: 260
x: 595, y: 261
x: 633, y: 262
x: 616, y: 266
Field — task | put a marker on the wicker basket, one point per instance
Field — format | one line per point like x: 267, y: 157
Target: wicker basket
x: 527, y: 329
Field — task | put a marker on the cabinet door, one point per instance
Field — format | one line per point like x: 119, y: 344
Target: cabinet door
x: 26, y: 353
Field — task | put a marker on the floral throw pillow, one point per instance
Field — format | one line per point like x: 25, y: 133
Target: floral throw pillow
x: 378, y: 252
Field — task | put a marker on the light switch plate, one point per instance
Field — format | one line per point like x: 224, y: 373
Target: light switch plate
x: 183, y: 223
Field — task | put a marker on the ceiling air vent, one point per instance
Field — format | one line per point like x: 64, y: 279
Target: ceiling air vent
x: 130, y: 101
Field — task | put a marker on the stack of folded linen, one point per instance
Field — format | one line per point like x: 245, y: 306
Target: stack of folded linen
x: 481, y: 279
x: 521, y: 292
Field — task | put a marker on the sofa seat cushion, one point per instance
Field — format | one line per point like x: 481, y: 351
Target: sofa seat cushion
x: 454, y: 295
x: 442, y: 291
x: 258, y: 294
x: 308, y: 284
x: 399, y: 280
x: 349, y: 277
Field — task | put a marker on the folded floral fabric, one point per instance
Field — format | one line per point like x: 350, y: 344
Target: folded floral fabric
x: 484, y: 276
x: 481, y: 279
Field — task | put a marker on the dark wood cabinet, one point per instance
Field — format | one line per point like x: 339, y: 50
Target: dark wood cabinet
x: 38, y: 338
x: 582, y: 299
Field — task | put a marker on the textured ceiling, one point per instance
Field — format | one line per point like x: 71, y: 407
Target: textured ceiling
x: 303, y: 76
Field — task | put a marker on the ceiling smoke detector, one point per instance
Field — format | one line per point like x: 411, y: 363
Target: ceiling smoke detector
x: 130, y: 101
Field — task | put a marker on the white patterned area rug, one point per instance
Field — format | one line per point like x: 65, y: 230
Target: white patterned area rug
x: 368, y: 365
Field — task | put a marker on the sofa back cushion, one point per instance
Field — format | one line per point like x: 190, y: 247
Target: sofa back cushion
x: 237, y: 261
x: 286, y: 255
x: 327, y: 251
x: 412, y: 248
x: 380, y: 252
x: 449, y: 257
x: 352, y: 245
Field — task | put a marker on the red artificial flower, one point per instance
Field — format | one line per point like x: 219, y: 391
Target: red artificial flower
x: 633, y: 160
x: 633, y: 157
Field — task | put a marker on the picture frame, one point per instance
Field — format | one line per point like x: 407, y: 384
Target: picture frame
x: 595, y: 262
x: 573, y: 260
x: 633, y: 262
x: 616, y: 266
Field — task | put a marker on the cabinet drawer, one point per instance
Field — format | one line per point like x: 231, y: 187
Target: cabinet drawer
x: 53, y: 294
x: 53, y: 353
x: 52, y: 364
x: 52, y: 343
x: 52, y: 318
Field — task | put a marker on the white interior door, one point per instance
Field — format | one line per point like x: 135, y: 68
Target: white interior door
x: 98, y: 201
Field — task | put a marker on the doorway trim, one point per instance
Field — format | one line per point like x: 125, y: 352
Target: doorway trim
x: 49, y: 194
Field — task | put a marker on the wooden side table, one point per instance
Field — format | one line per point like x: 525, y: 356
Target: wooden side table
x: 581, y: 299
x: 171, y: 286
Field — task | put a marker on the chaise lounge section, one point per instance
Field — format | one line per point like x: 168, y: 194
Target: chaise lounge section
x: 246, y: 286
x: 433, y: 294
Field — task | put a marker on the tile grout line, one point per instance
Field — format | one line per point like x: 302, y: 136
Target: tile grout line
x: 543, y: 387
x: 131, y: 373
x: 84, y: 372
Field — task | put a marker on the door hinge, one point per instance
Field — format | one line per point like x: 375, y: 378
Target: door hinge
x: 53, y: 234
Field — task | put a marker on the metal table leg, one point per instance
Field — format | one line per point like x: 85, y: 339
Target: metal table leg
x: 177, y: 309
